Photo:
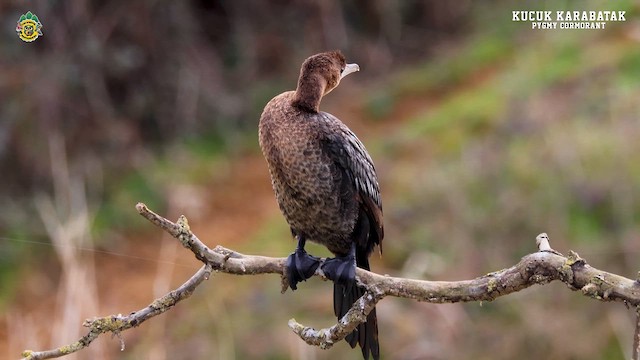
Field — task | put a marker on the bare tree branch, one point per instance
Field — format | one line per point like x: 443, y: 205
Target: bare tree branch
x: 541, y: 267
x: 115, y: 324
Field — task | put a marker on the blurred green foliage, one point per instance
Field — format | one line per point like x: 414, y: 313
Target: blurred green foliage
x: 503, y: 132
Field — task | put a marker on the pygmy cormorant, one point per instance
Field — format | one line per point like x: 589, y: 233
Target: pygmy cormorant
x: 326, y: 186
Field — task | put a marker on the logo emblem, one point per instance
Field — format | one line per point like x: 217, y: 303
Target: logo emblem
x: 29, y: 27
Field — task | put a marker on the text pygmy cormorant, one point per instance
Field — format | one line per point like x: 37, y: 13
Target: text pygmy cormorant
x: 326, y: 186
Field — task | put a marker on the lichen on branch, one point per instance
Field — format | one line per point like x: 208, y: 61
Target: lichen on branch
x: 541, y: 267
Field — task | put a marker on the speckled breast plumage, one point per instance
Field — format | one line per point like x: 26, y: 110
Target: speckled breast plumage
x: 305, y: 180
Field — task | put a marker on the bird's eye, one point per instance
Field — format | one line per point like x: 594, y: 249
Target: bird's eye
x: 342, y: 69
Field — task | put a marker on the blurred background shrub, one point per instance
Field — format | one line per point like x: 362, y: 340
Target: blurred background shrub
x: 484, y: 133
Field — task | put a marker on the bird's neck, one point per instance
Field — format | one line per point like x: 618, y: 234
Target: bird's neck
x: 309, y: 92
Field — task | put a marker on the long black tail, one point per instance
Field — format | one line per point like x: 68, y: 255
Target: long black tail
x: 366, y: 334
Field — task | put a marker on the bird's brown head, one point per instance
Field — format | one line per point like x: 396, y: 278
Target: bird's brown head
x: 320, y: 74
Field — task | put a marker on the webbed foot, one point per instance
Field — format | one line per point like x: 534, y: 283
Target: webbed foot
x: 341, y: 270
x: 300, y: 266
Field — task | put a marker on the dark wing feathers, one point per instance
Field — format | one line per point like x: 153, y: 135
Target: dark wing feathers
x: 354, y: 160
x: 344, y: 148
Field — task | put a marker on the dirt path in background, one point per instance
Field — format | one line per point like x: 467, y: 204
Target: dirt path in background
x: 235, y: 206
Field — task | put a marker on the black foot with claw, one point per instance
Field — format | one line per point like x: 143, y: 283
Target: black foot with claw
x: 342, y: 269
x: 299, y: 265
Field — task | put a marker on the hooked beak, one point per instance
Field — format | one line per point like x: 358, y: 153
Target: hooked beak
x: 348, y: 69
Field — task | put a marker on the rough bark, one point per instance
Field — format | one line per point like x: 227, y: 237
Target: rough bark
x: 540, y: 267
